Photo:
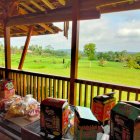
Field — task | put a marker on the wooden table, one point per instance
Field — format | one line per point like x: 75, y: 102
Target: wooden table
x: 31, y: 131
x: 13, y: 127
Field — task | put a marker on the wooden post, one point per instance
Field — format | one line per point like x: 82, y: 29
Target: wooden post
x: 7, y: 50
x: 74, y: 51
x: 25, y: 48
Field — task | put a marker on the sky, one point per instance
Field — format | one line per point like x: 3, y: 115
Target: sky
x: 112, y: 32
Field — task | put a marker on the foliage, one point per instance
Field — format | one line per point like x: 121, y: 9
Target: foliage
x: 137, y: 56
x: 113, y: 56
x: 102, y: 62
x: 89, y: 50
x: 133, y: 62
x: 36, y: 49
x: 48, y: 49
x: 129, y: 60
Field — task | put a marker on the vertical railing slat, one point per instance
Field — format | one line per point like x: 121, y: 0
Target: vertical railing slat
x: 68, y: 91
x: 15, y: 82
x: 120, y: 95
x: 80, y: 95
x: 50, y: 87
x: 27, y: 81
x: 4, y: 74
x: 38, y: 89
x: 31, y: 84
x: 35, y: 87
x: 86, y: 95
x: 59, y: 89
x: 28, y: 78
x: 46, y: 87
x: 137, y: 95
x: 42, y: 89
x: 105, y: 90
x: 63, y: 90
x: 21, y: 84
x: 98, y: 90
x: 54, y: 88
x: 92, y: 95
x: 18, y: 80
x: 128, y: 96
x: 24, y: 85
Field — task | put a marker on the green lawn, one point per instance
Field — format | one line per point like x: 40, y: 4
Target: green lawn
x: 113, y: 72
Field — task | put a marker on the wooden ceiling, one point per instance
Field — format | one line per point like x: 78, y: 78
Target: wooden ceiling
x: 41, y: 13
x: 24, y: 7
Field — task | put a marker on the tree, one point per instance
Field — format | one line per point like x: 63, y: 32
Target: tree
x: 123, y: 56
x: 137, y: 58
x: 36, y: 49
x: 102, y: 62
x: 49, y: 49
x: 89, y: 50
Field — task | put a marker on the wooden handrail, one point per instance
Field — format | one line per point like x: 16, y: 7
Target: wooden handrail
x: 37, y: 74
x: 109, y: 85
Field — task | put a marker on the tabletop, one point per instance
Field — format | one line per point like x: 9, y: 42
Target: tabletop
x: 32, y: 131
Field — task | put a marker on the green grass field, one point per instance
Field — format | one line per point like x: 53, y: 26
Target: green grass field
x: 113, y: 72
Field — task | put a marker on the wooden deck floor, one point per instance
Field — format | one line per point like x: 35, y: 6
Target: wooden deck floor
x: 4, y: 137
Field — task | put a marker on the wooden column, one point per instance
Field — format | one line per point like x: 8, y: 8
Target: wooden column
x: 25, y: 48
x: 74, y: 50
x: 7, y: 49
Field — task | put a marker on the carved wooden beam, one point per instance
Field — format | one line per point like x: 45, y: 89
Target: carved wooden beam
x: 120, y: 7
x: 57, y: 15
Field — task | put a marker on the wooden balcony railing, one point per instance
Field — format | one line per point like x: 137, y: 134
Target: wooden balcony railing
x: 43, y: 85
x: 86, y: 90
x: 39, y: 85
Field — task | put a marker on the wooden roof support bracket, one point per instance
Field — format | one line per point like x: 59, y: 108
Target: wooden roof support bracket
x: 25, y: 48
x: 74, y: 50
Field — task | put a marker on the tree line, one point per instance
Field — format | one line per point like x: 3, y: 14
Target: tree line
x: 131, y: 60
x: 37, y: 50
